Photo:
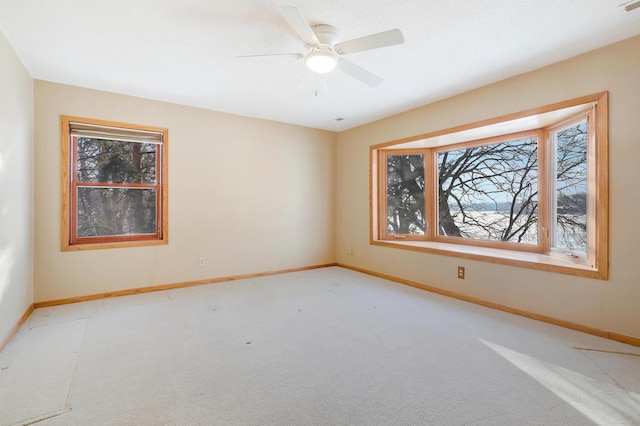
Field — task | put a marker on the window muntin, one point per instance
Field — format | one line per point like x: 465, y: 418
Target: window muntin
x: 550, y: 253
x: 114, y: 184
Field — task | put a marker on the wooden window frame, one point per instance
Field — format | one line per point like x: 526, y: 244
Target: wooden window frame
x: 592, y: 188
x: 382, y: 159
x: 540, y: 256
x: 540, y: 246
x: 70, y: 184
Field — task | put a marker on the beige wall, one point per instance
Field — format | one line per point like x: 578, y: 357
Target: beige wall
x: 16, y: 188
x: 612, y: 305
x: 248, y: 195
x: 252, y: 195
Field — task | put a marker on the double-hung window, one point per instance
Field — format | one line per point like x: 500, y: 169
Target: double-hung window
x: 114, y: 184
x: 533, y: 182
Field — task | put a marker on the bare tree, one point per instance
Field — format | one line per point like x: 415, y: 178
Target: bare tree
x: 571, y: 187
x: 490, y: 192
x: 405, y: 194
x: 501, y: 177
x: 498, y: 176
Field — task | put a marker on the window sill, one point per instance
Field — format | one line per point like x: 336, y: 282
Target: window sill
x: 539, y: 261
x: 109, y: 245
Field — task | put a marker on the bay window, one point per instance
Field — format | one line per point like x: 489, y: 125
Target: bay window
x: 532, y: 182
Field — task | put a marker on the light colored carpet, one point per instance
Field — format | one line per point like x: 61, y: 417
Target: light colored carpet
x: 321, y: 347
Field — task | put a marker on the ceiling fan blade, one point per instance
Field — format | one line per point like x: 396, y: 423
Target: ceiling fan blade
x: 373, y: 41
x: 299, y: 24
x: 359, y: 73
x: 271, y: 57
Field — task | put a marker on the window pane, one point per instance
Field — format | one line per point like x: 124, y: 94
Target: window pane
x: 115, y: 211
x: 490, y: 192
x: 570, y: 231
x: 109, y: 161
x: 405, y: 194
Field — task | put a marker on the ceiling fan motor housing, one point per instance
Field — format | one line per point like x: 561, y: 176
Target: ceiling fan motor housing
x: 327, y: 35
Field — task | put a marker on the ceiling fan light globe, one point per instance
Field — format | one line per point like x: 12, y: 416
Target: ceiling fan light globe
x: 321, y: 62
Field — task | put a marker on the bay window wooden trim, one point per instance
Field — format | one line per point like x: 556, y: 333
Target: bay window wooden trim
x: 431, y: 209
x: 488, y: 141
x: 599, y: 98
x: 544, y: 192
x: 601, y: 145
x: 540, y: 257
x: 521, y: 259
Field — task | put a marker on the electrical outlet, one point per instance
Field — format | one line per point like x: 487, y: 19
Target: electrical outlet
x: 202, y: 262
x: 461, y: 272
x: 349, y: 251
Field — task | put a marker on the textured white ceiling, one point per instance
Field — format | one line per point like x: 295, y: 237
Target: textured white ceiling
x: 184, y: 51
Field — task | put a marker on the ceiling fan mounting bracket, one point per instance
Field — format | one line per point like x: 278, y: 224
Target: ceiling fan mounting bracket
x: 327, y: 34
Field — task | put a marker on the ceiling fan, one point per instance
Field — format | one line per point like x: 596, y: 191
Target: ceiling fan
x: 326, y: 50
